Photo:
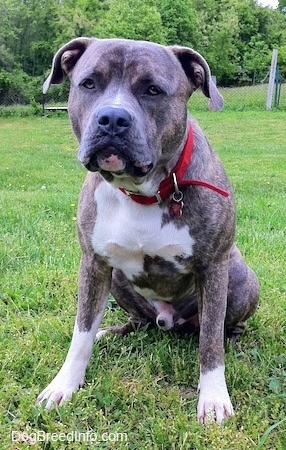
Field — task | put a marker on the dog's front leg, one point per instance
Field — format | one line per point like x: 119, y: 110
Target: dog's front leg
x: 94, y: 286
x: 214, y: 398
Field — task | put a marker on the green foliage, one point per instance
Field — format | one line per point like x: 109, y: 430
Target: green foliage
x: 34, y: 109
x: 219, y: 28
x: 132, y: 19
x: 27, y: 32
x: 17, y: 87
x: 282, y: 59
x: 180, y: 22
x: 235, y: 36
x: 256, y: 59
x: 282, y: 6
x: 76, y: 18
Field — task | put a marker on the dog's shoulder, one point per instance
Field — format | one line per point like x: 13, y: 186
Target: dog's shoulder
x: 87, y: 206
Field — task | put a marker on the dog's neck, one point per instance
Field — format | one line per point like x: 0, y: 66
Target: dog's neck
x: 171, y: 184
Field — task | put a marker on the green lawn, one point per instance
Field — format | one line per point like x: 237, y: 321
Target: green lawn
x: 140, y: 388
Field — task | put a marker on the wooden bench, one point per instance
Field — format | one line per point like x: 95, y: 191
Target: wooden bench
x: 55, y: 108
x: 51, y: 108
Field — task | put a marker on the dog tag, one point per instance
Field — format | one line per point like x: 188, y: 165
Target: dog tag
x: 176, y: 204
x: 176, y: 208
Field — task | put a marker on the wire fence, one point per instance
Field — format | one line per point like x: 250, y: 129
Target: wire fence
x: 244, y: 98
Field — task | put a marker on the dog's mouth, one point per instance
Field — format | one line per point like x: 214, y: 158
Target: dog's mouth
x: 117, y: 165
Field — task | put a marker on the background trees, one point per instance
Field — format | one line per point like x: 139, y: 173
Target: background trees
x: 131, y: 19
x: 235, y: 36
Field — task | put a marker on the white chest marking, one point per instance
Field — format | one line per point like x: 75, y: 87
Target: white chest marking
x: 126, y: 231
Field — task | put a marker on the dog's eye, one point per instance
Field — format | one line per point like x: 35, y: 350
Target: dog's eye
x: 88, y: 84
x: 153, y: 90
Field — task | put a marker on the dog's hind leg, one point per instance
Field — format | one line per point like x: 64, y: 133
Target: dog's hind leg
x: 123, y: 330
x: 142, y: 313
x: 243, y: 294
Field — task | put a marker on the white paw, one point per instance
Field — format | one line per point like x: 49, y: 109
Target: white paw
x: 214, y: 402
x: 60, y: 390
x: 101, y: 332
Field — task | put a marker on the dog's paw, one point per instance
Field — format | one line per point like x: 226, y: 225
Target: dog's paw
x: 216, y: 409
x: 62, y: 387
x: 101, y: 333
x: 214, y: 402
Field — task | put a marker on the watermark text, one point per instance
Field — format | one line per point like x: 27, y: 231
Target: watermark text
x: 72, y: 436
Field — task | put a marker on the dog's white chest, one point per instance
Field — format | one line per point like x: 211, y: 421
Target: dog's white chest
x: 126, y: 233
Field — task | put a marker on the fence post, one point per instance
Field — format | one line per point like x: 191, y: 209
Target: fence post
x: 271, y: 79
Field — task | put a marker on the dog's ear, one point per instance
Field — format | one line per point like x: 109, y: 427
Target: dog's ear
x: 65, y: 60
x: 199, y: 74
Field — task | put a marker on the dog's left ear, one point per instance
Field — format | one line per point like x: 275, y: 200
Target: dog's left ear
x: 199, y: 74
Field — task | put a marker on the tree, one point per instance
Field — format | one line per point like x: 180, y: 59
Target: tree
x: 235, y: 36
x: 132, y: 19
x: 180, y: 22
x: 282, y: 60
x: 10, y: 13
x: 219, y: 29
x: 260, y: 30
x: 256, y: 59
x: 77, y: 18
x: 282, y: 6
x: 26, y: 31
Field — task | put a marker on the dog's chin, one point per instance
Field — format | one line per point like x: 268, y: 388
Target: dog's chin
x: 125, y: 179
x: 127, y: 170
x: 136, y: 173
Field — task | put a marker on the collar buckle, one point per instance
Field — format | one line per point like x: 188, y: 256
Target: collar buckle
x: 158, y: 197
x: 177, y: 195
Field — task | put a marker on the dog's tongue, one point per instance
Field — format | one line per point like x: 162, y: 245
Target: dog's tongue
x: 112, y: 164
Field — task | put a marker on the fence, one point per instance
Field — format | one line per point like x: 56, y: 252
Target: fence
x: 242, y: 98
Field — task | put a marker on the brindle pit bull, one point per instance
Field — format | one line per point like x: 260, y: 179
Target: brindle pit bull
x: 156, y: 217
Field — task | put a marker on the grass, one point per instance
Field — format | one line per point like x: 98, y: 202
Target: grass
x: 143, y: 385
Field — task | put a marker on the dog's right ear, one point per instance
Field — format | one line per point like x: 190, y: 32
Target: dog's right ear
x: 65, y: 59
x: 198, y: 72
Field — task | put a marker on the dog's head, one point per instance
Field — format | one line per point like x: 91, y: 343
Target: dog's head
x: 128, y: 101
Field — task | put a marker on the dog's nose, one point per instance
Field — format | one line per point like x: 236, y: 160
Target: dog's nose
x: 114, y: 121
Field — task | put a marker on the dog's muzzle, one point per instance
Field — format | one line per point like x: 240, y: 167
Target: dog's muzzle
x: 110, y: 149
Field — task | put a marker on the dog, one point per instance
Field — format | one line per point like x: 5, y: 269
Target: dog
x: 156, y: 215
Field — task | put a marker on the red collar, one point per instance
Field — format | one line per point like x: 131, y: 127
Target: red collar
x: 174, y: 181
